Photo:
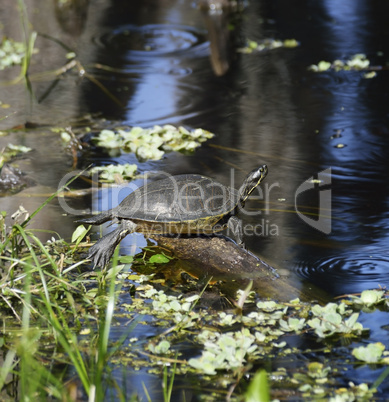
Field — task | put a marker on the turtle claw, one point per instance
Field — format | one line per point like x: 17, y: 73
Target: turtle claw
x: 101, y: 252
x: 100, y: 257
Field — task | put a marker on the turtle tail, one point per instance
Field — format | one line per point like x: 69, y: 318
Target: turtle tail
x: 97, y: 219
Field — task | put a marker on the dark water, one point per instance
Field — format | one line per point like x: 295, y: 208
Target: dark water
x: 268, y: 108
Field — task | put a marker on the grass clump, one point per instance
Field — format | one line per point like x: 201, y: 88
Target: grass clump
x: 44, y: 288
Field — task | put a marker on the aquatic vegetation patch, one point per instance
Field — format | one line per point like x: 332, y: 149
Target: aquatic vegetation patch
x: 232, y: 342
x: 10, y: 151
x: 225, y: 351
x: 331, y: 319
x: 151, y: 143
x: 269, y: 323
x: 12, y: 53
x: 146, y: 143
x: 115, y: 173
x: 314, y: 382
x: 372, y: 353
x: 267, y: 44
x: 370, y: 298
x: 357, y: 62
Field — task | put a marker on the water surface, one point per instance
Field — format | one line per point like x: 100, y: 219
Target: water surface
x: 268, y: 108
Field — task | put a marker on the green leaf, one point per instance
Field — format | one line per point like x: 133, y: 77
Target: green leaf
x: 352, y: 321
x: 112, y: 273
x: 371, y: 353
x: 126, y: 259
x: 158, y: 259
x: 293, y: 324
x: 290, y: 43
x: 371, y: 297
x: 333, y: 318
x: 370, y: 74
x: 79, y: 234
x: 324, y: 65
x: 258, y: 389
x: 162, y: 347
x: 203, y: 366
x: 65, y: 137
x: 317, y: 370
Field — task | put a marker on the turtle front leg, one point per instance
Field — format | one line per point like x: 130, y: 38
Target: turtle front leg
x: 235, y: 225
x: 101, y: 252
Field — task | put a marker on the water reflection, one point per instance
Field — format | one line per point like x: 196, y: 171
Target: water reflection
x: 343, y: 126
x: 151, y: 60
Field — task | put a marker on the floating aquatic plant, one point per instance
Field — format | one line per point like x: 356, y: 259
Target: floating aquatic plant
x: 115, y: 173
x: 152, y: 143
x: 372, y: 353
x: 12, y: 53
x: 225, y: 350
x: 357, y: 62
x: 11, y: 151
x: 161, y: 348
x: 267, y: 44
x: 330, y: 320
x: 369, y: 298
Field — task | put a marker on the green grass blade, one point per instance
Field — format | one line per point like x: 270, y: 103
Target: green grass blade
x: 64, y: 335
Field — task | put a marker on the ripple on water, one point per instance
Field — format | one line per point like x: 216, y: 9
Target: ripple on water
x: 347, y: 274
x: 155, y: 40
x: 152, y: 71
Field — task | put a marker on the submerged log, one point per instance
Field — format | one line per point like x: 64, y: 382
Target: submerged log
x: 234, y: 268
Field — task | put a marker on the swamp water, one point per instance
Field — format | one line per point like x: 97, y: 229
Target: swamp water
x: 324, y: 135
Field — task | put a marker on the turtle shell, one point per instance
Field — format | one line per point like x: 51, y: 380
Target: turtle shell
x: 179, y: 199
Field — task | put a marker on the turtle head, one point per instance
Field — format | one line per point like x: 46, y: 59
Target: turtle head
x: 251, y: 182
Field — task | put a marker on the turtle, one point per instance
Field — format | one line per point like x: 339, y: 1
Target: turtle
x: 181, y: 204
